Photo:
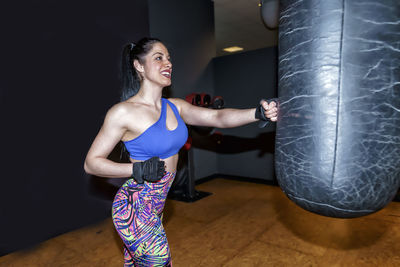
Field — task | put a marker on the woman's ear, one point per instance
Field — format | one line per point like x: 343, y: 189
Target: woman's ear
x: 139, y: 67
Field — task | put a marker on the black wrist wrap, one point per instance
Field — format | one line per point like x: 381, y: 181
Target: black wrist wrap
x: 260, y: 113
x: 150, y: 170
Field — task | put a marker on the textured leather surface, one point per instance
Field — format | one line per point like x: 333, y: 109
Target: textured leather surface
x: 338, y: 134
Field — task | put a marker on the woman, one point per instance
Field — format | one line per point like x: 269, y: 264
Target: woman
x: 152, y: 128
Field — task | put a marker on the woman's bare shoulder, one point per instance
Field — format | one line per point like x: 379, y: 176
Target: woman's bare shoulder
x: 178, y: 102
x: 118, y: 110
x: 121, y: 111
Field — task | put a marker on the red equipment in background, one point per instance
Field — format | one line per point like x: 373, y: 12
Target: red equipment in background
x: 183, y: 188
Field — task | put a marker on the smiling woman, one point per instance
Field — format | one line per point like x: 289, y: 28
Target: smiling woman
x: 153, y: 130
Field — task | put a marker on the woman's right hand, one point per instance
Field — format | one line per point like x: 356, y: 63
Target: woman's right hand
x: 151, y: 170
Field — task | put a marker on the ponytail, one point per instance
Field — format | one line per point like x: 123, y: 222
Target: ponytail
x: 130, y: 82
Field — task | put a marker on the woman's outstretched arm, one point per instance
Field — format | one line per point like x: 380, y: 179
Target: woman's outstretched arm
x: 222, y: 118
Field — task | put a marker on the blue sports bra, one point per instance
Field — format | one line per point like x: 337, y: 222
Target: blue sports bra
x: 157, y: 140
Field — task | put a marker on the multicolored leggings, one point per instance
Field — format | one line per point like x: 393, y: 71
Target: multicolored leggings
x: 137, y: 215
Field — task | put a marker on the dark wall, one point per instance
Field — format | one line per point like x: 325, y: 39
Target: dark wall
x: 59, y: 75
x: 243, y: 79
x: 187, y: 28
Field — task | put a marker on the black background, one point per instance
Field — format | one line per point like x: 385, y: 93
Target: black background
x: 59, y: 75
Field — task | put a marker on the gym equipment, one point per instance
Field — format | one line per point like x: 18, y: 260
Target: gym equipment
x: 338, y: 131
x: 183, y: 188
x: 270, y: 13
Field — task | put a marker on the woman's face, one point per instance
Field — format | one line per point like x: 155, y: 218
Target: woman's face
x: 156, y: 67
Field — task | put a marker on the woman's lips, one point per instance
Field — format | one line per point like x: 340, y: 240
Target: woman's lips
x: 166, y: 73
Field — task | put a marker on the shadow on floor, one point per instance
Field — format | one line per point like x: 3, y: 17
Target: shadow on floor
x: 341, y: 234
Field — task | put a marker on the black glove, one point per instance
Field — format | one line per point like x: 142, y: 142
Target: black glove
x: 150, y: 170
x: 260, y: 113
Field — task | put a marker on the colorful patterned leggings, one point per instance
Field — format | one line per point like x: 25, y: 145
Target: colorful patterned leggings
x: 137, y: 215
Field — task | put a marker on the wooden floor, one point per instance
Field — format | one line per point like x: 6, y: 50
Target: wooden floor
x: 241, y: 224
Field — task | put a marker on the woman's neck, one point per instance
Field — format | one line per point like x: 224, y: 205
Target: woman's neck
x: 150, y: 94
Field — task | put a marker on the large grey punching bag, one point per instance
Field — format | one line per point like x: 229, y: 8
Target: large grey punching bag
x: 338, y: 134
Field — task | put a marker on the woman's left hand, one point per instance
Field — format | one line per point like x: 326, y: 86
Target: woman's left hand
x: 271, y: 110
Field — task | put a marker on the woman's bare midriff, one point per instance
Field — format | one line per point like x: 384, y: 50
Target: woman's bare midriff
x: 170, y: 163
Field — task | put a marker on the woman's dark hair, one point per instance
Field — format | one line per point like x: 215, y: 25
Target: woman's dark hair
x: 129, y: 77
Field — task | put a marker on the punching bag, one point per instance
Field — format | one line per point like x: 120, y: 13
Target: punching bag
x: 338, y: 132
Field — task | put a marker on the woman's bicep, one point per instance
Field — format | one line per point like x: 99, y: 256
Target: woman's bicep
x: 104, y: 143
x: 194, y: 115
x: 97, y: 162
x: 109, y: 135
